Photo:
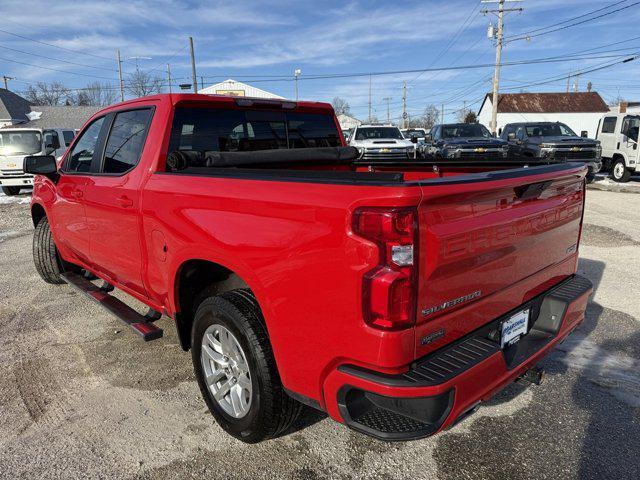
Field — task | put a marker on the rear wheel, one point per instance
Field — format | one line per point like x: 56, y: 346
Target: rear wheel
x: 10, y: 191
x: 619, y: 171
x: 45, y: 254
x: 236, y: 370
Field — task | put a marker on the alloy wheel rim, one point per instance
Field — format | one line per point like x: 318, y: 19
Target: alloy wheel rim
x: 226, y: 371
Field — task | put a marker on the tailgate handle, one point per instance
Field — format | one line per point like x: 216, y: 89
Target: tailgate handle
x: 532, y: 190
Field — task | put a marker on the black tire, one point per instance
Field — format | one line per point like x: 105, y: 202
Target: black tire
x: 591, y: 176
x: 11, y: 191
x: 619, y: 171
x: 272, y: 411
x: 45, y: 254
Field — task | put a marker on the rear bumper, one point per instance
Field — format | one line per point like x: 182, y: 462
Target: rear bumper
x: 441, y: 388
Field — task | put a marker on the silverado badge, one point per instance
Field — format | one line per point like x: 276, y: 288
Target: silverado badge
x: 451, y: 303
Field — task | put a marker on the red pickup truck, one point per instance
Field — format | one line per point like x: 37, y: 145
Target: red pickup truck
x: 395, y: 296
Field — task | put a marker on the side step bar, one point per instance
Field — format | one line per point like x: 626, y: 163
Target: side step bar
x: 124, y: 312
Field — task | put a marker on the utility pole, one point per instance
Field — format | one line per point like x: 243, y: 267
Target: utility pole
x: 6, y: 81
x: 296, y: 74
x: 369, y: 118
x: 442, y: 113
x: 499, y: 44
x: 169, y: 76
x: 388, y: 99
x: 120, y: 76
x: 575, y: 83
x: 569, y: 82
x: 201, y: 81
x: 404, y: 104
x: 193, y: 66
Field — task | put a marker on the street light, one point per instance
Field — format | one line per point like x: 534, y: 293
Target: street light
x: 296, y: 74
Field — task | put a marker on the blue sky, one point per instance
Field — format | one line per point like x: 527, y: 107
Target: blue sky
x: 261, y: 42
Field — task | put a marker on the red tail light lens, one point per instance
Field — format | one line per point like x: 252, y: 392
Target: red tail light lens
x: 389, y: 289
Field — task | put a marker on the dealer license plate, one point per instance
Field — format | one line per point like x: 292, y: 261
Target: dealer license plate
x: 514, y: 328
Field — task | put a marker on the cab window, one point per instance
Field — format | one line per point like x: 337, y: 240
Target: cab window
x: 126, y: 140
x: 80, y: 157
x: 609, y: 125
x: 68, y: 137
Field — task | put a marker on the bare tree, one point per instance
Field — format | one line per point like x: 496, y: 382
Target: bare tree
x: 430, y: 116
x: 96, y: 94
x: 617, y: 100
x: 341, y: 106
x: 141, y: 83
x: 54, y: 93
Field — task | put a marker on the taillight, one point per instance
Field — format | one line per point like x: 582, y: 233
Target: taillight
x: 389, y: 289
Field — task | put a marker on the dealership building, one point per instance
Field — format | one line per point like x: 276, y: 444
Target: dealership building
x: 238, y: 89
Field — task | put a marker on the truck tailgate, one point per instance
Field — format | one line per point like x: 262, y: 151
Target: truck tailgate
x: 481, y: 238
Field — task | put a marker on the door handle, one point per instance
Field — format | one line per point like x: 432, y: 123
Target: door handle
x: 124, y: 201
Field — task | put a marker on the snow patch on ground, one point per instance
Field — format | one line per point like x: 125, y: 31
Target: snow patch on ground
x: 19, y: 199
x: 615, y: 371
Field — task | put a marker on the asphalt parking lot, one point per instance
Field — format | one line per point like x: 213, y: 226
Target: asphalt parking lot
x: 82, y: 397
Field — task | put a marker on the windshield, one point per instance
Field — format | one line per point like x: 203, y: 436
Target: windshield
x: 413, y: 133
x: 17, y: 143
x: 550, y: 130
x: 375, y: 133
x: 631, y: 127
x: 465, y: 131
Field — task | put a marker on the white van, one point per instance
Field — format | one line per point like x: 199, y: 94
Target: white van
x: 618, y: 135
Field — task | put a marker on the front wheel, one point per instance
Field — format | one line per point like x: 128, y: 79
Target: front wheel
x: 11, y: 191
x: 236, y: 371
x: 619, y: 171
x: 591, y: 176
x: 45, y: 254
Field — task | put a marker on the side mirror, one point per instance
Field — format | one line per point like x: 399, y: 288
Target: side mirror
x: 49, y: 148
x: 414, y: 139
x: 40, y: 165
x: 584, y: 134
x: 428, y: 138
x: 511, y: 136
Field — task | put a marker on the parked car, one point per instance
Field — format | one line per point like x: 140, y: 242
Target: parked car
x: 555, y: 142
x: 618, y: 135
x: 396, y: 301
x: 382, y: 142
x: 463, y: 141
x: 17, y: 143
x: 419, y: 133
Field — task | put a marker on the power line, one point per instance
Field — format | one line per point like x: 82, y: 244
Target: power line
x: 523, y: 34
x: 56, y: 59
x: 453, y: 39
x: 546, y: 32
x: 555, y: 59
x: 55, y: 69
x: 56, y: 46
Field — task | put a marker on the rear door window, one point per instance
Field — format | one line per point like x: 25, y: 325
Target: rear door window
x: 126, y: 139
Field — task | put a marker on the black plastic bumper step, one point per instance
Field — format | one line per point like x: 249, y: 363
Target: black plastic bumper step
x: 139, y: 323
x: 547, y: 313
